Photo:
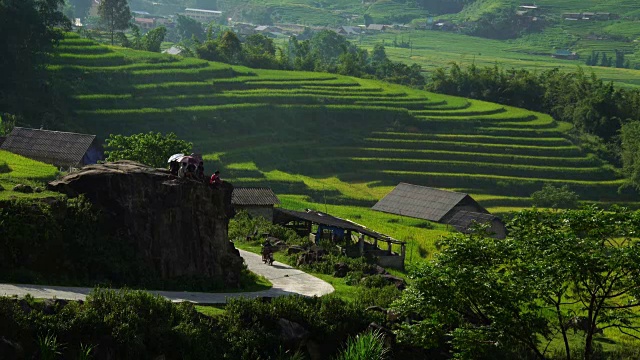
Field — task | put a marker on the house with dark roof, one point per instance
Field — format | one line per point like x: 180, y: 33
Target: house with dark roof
x: 465, y: 221
x: 348, y: 30
x: 58, y: 148
x: 319, y: 225
x: 427, y: 203
x: 377, y: 27
x: 257, y: 201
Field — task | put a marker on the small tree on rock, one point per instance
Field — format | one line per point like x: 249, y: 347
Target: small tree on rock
x: 152, y: 149
x: 114, y: 15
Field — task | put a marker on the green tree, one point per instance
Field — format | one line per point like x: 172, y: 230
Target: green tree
x: 154, y: 38
x: 560, y: 197
x: 152, y: 149
x: 29, y: 30
x: 378, y: 55
x: 630, y: 138
x: 259, y: 52
x: 230, y: 47
x: 188, y: 28
x: 114, y: 15
x: 509, y: 298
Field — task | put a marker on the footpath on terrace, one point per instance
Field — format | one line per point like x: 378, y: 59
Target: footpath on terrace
x: 285, y: 279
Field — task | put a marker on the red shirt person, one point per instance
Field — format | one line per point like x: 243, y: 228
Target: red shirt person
x: 215, y: 181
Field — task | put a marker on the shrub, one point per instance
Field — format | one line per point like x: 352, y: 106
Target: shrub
x: 364, y: 347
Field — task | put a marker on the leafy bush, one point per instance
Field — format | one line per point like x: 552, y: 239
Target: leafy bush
x: 555, y: 197
x: 137, y: 325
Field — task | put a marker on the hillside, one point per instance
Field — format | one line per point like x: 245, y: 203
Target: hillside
x: 16, y: 169
x: 325, y: 138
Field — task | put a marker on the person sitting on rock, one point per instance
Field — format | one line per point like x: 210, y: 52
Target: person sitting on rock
x: 191, y: 171
x: 174, y: 167
x: 200, y: 172
x: 215, y: 181
x: 182, y: 171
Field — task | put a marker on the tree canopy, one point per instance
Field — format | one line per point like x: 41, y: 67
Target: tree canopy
x: 114, y: 15
x: 502, y: 299
x: 29, y: 30
x: 153, y: 149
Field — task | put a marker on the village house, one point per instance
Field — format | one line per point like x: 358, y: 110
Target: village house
x: 464, y: 221
x: 436, y: 205
x: 61, y: 149
x: 565, y: 55
x: 202, y: 15
x: 144, y: 23
x: 257, y: 201
x: 264, y: 29
x: 348, y: 30
x: 377, y: 27
x: 319, y: 225
x: 174, y: 50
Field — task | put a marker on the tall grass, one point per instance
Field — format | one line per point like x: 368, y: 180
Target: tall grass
x: 367, y: 346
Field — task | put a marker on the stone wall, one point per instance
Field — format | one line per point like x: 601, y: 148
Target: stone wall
x: 178, y: 226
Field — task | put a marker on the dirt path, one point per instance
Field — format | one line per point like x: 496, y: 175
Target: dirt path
x: 285, y: 279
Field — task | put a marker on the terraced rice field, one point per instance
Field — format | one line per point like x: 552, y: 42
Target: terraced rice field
x: 321, y: 139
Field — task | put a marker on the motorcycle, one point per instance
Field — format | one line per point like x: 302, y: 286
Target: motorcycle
x: 267, y: 256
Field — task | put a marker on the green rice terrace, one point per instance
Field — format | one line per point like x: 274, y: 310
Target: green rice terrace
x: 327, y: 141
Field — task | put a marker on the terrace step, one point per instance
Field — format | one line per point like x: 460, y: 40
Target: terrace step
x: 485, y: 139
x: 319, y: 166
x: 557, y: 151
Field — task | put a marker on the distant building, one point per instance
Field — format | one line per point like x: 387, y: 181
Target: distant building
x: 174, y: 50
x: 267, y: 29
x: 565, y: 55
x: 572, y: 16
x: 464, y: 221
x: 144, y: 23
x: 348, y: 30
x: 443, y: 25
x: 377, y: 27
x: 61, y: 149
x: 257, y: 201
x: 202, y: 15
x: 427, y: 203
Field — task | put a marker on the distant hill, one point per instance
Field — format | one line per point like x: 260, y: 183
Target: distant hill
x: 324, y: 137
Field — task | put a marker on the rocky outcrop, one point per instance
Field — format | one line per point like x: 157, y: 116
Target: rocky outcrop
x: 178, y: 226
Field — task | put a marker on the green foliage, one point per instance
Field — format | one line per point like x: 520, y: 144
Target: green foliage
x: 364, y: 347
x: 150, y: 41
x: 152, y: 149
x: 50, y: 348
x: 65, y: 241
x: 244, y: 225
x: 630, y: 141
x: 500, y: 296
x: 29, y: 30
x: 555, y: 197
x: 188, y: 28
x: 114, y: 16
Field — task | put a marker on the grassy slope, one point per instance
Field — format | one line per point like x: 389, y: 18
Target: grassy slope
x: 320, y: 138
x: 16, y: 169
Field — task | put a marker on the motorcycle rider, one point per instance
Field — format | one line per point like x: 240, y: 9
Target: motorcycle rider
x: 267, y: 251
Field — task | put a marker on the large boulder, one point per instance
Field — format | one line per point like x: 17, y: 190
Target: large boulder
x: 179, y: 227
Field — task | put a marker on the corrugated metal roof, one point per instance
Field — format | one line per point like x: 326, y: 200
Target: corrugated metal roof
x: 463, y: 220
x: 283, y: 216
x: 253, y: 196
x: 52, y: 147
x: 419, y: 202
